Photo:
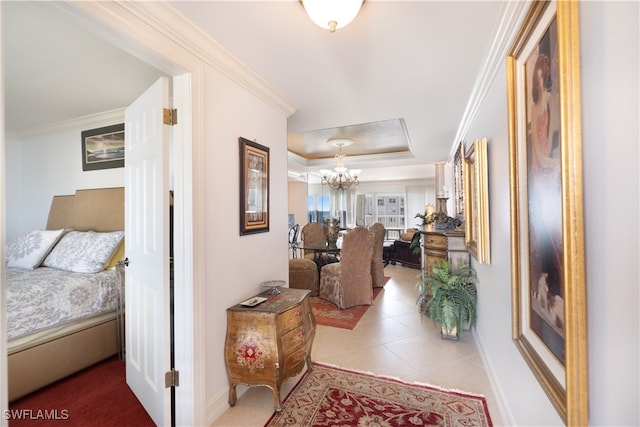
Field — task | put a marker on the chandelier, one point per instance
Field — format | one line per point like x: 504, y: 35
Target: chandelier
x: 341, y: 179
x: 332, y: 14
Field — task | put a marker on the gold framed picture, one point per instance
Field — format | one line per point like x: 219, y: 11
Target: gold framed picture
x: 547, y: 225
x: 254, y: 187
x: 476, y: 200
x: 458, y: 181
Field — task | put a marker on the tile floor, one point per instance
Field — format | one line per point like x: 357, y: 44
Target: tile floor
x: 391, y: 339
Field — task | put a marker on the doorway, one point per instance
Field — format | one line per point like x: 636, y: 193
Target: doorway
x: 182, y: 184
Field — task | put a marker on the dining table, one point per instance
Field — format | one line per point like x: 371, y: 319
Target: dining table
x: 323, y: 253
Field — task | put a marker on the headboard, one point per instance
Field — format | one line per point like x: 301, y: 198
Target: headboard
x: 99, y: 209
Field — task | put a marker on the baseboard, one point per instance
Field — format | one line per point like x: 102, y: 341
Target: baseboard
x: 217, y: 405
x: 496, y: 388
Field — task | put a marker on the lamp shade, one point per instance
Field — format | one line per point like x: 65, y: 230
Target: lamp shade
x: 332, y: 14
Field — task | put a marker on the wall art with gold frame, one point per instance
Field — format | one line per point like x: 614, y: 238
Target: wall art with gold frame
x: 458, y: 181
x: 254, y: 187
x: 476, y: 201
x: 547, y: 225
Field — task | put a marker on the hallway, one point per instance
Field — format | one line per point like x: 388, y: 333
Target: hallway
x: 391, y: 339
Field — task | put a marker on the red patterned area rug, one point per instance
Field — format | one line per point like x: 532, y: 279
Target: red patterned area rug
x: 331, y: 396
x: 328, y: 314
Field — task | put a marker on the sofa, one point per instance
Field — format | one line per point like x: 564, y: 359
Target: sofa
x: 402, y: 252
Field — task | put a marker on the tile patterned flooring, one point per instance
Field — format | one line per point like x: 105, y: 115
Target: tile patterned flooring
x: 391, y: 339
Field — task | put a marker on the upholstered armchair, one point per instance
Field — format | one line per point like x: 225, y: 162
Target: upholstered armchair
x: 377, y: 264
x: 303, y: 274
x: 312, y: 233
x: 348, y: 283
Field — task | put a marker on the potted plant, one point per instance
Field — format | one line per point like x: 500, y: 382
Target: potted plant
x: 441, y: 220
x: 449, y: 297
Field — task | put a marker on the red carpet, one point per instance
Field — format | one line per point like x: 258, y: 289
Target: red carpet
x: 332, y: 396
x: 97, y: 396
x: 328, y: 314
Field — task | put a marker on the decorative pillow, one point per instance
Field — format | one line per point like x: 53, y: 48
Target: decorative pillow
x: 84, y: 251
x: 118, y: 255
x: 29, y: 250
x: 408, y: 235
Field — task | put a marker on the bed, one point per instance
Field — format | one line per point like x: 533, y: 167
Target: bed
x: 40, y: 353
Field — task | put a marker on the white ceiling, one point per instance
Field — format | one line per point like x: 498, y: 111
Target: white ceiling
x: 403, y: 70
x: 55, y: 71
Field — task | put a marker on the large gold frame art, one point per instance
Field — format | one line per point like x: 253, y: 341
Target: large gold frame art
x: 547, y: 224
x: 476, y: 201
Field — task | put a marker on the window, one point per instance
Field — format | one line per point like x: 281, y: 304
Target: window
x: 318, y: 208
x: 389, y: 211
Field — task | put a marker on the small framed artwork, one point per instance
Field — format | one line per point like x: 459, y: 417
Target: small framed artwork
x: 103, y: 148
x: 476, y: 199
x: 547, y: 221
x: 458, y: 181
x: 254, y: 187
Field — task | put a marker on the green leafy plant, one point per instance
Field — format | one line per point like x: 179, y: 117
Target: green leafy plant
x: 440, y: 219
x: 415, y: 243
x: 449, y: 297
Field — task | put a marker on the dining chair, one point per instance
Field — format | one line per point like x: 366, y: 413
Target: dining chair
x: 294, y: 232
x: 312, y: 233
x: 377, y: 263
x: 348, y: 283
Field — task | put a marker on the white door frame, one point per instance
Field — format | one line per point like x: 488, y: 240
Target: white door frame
x: 128, y: 26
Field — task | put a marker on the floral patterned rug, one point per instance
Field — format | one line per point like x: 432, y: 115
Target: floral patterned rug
x: 328, y: 314
x: 332, y: 396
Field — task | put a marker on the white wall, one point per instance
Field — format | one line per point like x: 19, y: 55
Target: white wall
x: 297, y: 201
x: 45, y: 164
x: 609, y: 80
x: 610, y: 70
x: 237, y: 265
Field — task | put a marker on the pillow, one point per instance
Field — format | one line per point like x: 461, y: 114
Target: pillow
x: 29, y: 250
x: 84, y: 251
x: 408, y: 235
x: 118, y: 255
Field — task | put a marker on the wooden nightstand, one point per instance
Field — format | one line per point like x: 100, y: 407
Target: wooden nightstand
x: 269, y: 342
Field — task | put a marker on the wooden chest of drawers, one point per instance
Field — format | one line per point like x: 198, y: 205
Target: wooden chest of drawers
x: 269, y: 342
x: 442, y: 245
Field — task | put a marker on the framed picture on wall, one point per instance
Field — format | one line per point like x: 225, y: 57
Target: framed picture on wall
x: 458, y: 181
x: 547, y: 225
x: 254, y: 187
x: 476, y: 199
x: 103, y: 148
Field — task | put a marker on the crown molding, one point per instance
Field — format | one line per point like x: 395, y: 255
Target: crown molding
x: 182, y: 41
x: 89, y: 121
x: 507, y: 27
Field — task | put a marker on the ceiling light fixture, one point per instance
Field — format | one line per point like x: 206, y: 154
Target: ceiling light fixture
x: 341, y: 179
x: 332, y: 14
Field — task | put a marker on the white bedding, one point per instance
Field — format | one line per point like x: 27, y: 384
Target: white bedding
x: 45, y: 297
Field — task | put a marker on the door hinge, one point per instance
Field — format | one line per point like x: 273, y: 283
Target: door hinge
x: 123, y: 262
x: 170, y: 116
x: 171, y: 378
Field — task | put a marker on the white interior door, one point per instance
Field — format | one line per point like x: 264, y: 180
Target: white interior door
x: 147, y: 248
